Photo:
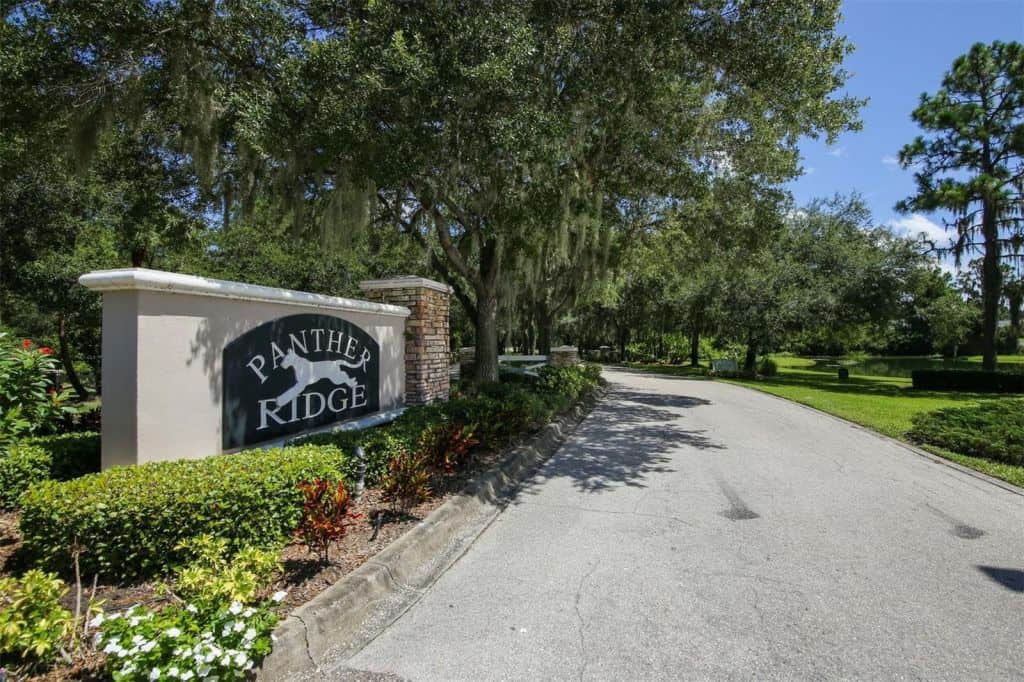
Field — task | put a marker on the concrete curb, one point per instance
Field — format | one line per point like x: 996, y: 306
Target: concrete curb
x: 316, y: 639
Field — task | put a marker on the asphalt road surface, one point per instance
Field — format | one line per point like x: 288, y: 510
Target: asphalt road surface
x: 695, y: 529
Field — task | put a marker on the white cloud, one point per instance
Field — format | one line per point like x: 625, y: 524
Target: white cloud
x: 916, y: 224
x: 890, y: 161
x: 838, y: 152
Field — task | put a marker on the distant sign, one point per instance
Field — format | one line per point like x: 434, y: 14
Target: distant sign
x: 724, y: 365
x: 296, y: 373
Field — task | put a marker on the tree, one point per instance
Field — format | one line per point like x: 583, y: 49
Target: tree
x: 972, y: 163
x: 950, y: 320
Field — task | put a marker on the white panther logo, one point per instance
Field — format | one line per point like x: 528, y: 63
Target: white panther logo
x: 308, y: 373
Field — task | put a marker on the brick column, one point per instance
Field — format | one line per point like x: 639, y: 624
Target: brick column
x: 426, y: 333
x: 564, y: 356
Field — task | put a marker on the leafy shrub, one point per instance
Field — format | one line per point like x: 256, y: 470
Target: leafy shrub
x: 28, y: 403
x: 968, y: 380
x: 131, y: 520
x: 33, y: 460
x: 182, y: 642
x: 993, y: 429
x: 34, y: 627
x: 407, y: 482
x: 447, y: 446
x: 214, y: 577
x: 72, y: 454
x: 20, y: 467
x: 767, y: 368
x: 326, y: 515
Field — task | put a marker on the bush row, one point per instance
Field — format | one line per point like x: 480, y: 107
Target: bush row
x: 993, y: 429
x: 32, y: 460
x: 968, y: 380
x: 129, y: 521
x: 495, y: 412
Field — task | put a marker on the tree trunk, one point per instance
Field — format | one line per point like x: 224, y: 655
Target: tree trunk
x: 487, y: 337
x: 750, y: 362
x: 544, y: 324
x: 695, y: 347
x: 66, y: 360
x: 991, y: 284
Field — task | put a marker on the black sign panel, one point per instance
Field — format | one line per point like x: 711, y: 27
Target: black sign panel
x: 296, y: 373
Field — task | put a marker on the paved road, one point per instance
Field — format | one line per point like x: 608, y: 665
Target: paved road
x: 696, y: 529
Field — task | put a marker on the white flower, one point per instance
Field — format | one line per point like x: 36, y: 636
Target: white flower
x: 204, y: 671
x: 128, y: 668
x: 239, y: 626
x: 148, y: 646
x: 97, y: 621
x: 173, y: 671
x: 273, y: 637
x: 240, y: 658
x: 249, y: 635
x: 138, y: 639
x: 249, y: 612
x: 227, y: 628
x: 235, y: 608
x: 172, y: 632
x: 187, y: 675
x: 226, y: 661
x: 279, y: 596
x: 134, y: 620
x: 154, y: 674
x: 249, y: 664
x: 111, y: 648
x: 191, y: 608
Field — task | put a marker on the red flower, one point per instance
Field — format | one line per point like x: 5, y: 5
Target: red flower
x: 25, y: 343
x: 46, y: 351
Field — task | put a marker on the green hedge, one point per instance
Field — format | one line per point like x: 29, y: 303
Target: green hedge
x: 74, y: 454
x: 128, y: 520
x: 499, y: 412
x: 968, y: 380
x: 994, y: 430
x: 21, y: 465
x: 37, y: 459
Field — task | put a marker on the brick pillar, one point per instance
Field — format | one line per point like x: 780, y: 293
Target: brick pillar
x: 564, y: 356
x: 426, y: 333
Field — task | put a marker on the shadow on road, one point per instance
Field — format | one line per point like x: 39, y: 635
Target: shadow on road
x: 625, y: 441
x: 1010, y: 578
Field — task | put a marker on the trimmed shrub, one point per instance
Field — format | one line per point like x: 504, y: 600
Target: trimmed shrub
x: 74, y: 454
x: 21, y: 466
x: 994, y: 430
x: 33, y: 460
x: 767, y: 368
x: 131, y: 521
x: 968, y: 380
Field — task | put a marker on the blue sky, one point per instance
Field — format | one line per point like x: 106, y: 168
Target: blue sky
x: 903, y: 47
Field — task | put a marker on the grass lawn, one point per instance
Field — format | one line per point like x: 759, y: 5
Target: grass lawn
x: 883, y: 403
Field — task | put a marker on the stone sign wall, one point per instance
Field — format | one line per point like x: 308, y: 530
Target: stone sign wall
x: 193, y: 366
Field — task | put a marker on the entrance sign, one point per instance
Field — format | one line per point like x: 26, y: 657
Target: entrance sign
x: 297, y: 373
x: 194, y: 367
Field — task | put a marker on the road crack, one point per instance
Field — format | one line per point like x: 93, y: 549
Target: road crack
x: 581, y: 625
